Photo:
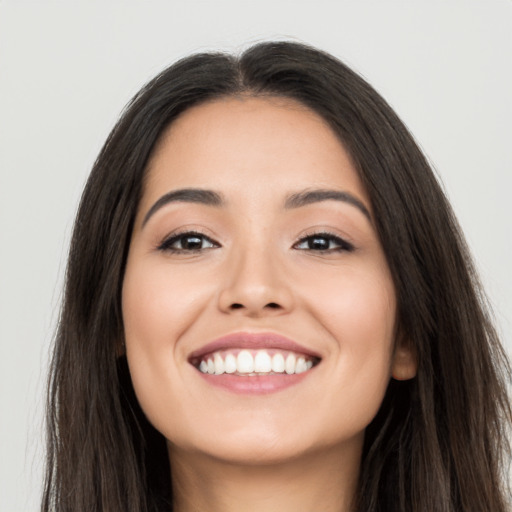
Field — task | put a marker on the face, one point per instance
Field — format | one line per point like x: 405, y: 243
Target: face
x: 259, y: 310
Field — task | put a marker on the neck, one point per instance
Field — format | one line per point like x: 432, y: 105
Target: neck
x: 326, y: 482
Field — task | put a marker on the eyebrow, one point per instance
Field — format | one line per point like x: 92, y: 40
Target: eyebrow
x: 186, y: 195
x: 318, y: 195
x: 297, y: 200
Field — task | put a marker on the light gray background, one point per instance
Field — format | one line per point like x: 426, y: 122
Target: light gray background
x: 67, y: 69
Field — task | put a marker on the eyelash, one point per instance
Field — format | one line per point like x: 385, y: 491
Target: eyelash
x: 167, y: 244
x: 343, y: 245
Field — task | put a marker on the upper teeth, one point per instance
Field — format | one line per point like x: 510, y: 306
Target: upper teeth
x: 257, y: 362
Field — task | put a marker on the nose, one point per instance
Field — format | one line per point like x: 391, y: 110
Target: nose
x: 255, y: 285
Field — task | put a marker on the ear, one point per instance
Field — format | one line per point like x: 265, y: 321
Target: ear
x: 405, y: 361
x: 120, y: 348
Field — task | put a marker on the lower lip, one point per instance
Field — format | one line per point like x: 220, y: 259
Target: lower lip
x: 254, y: 385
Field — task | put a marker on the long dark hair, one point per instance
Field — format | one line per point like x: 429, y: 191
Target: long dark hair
x: 438, y: 442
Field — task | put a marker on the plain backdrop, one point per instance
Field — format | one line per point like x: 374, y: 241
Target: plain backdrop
x: 67, y: 69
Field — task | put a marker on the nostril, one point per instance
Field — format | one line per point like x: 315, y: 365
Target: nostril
x: 271, y: 305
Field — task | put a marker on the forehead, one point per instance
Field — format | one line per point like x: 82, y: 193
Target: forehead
x: 248, y: 143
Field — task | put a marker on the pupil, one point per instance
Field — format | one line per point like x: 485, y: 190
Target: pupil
x: 191, y: 242
x: 318, y: 243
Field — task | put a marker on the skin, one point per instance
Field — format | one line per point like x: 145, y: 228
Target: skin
x: 297, y: 449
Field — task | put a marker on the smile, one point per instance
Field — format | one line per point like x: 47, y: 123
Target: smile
x: 250, y: 363
x: 254, y: 363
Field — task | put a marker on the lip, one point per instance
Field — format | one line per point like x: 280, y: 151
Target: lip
x: 252, y: 341
x: 259, y: 384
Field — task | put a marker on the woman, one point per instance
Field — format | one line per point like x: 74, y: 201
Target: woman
x: 269, y: 306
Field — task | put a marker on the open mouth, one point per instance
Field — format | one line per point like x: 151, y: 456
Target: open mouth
x: 258, y: 362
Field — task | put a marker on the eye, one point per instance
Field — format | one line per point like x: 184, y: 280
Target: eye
x: 323, y: 242
x: 190, y: 241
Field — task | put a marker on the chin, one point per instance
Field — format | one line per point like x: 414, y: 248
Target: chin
x: 260, y: 444
x: 245, y: 453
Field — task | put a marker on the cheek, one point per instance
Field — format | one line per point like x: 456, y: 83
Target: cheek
x: 158, y: 307
x: 356, y: 305
x: 359, y: 314
x: 159, y: 304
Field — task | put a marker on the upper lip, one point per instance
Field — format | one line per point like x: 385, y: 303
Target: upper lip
x: 252, y: 341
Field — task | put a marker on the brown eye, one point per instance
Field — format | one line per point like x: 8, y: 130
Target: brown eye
x: 323, y: 242
x: 318, y: 243
x: 187, y: 242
